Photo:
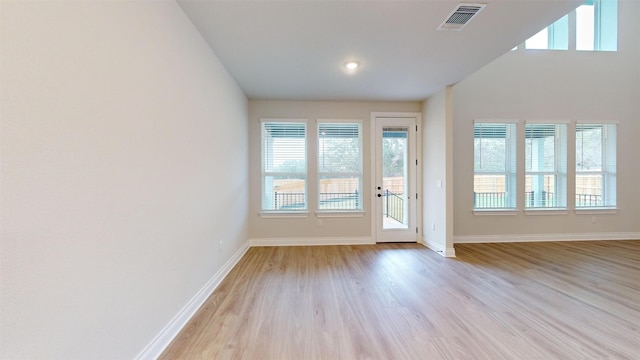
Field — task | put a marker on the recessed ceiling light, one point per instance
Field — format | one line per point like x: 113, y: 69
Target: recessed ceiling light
x: 352, y: 65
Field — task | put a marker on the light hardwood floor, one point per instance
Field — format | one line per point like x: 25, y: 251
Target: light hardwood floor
x: 565, y: 300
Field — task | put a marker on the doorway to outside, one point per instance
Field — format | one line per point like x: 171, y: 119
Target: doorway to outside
x: 395, y: 173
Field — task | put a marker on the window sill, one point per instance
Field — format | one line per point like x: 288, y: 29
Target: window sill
x: 283, y: 214
x: 596, y: 211
x: 495, y: 212
x: 340, y: 214
x: 546, y: 211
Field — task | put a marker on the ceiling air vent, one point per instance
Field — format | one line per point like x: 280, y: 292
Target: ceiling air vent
x: 460, y: 16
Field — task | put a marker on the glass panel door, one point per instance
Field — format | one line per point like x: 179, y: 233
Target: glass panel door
x: 395, y: 179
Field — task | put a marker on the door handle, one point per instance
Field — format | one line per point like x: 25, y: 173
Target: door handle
x: 379, y: 195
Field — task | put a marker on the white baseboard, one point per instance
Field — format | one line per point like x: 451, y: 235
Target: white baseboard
x: 155, y: 348
x: 312, y: 241
x: 469, y: 239
x: 438, y: 248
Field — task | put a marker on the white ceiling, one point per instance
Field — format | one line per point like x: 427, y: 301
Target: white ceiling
x: 295, y: 50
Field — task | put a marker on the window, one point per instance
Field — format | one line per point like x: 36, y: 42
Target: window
x: 553, y: 37
x: 339, y: 165
x: 597, y: 25
x: 546, y: 166
x: 595, y: 165
x: 596, y: 29
x: 494, y: 183
x: 284, y: 165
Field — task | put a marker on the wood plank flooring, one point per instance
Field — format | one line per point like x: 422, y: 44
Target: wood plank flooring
x: 565, y: 300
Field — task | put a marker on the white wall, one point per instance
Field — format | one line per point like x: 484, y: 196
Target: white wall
x: 437, y: 201
x: 311, y: 110
x: 124, y: 162
x: 555, y: 85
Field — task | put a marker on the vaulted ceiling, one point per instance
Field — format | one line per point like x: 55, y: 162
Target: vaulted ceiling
x: 296, y: 50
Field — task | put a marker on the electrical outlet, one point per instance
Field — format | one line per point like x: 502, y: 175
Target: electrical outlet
x: 433, y: 226
x: 220, y: 245
x: 593, y: 219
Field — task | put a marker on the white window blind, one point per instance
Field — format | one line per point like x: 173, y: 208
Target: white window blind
x: 284, y: 165
x: 596, y: 165
x: 546, y: 165
x: 339, y: 166
x: 494, y: 182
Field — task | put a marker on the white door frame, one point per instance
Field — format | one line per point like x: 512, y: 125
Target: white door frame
x: 375, y: 222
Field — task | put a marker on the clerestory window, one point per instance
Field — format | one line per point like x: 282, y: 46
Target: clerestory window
x: 596, y: 29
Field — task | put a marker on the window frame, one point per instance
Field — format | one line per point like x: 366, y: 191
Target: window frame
x: 511, y: 168
x: 567, y: 33
x: 560, y: 165
x: 557, y: 36
x: 605, y: 33
x: 264, y: 211
x: 608, y: 171
x: 322, y: 174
